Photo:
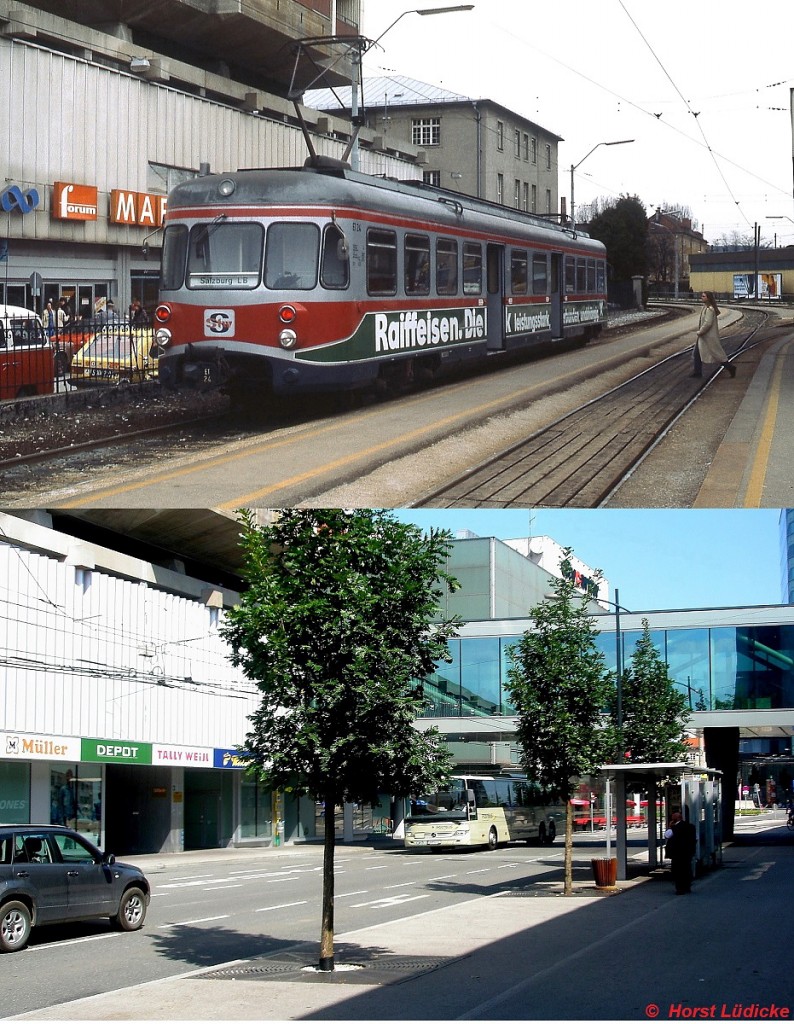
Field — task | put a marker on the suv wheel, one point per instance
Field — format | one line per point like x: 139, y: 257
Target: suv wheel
x: 14, y: 926
x: 132, y: 911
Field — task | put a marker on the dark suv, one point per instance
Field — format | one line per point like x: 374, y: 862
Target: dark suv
x: 50, y: 874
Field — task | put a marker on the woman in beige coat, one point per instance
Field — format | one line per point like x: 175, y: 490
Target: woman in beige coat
x: 708, y: 347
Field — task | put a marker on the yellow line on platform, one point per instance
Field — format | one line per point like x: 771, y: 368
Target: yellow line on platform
x: 753, y: 495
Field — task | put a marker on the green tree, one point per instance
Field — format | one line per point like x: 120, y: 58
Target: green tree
x: 335, y: 628
x: 560, y: 689
x: 623, y: 228
x: 654, y: 711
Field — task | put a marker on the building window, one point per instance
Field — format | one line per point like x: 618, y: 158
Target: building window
x: 426, y: 131
x: 432, y: 178
x: 526, y: 146
x: 548, y: 158
x: 518, y: 144
x: 525, y: 197
x: 548, y: 200
x: 533, y: 149
x: 534, y: 203
x: 500, y: 136
x: 500, y: 188
x: 517, y: 194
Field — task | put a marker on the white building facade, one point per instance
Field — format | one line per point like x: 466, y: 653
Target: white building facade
x: 120, y: 710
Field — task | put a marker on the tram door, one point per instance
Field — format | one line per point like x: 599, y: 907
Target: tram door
x: 556, y: 293
x: 496, y: 283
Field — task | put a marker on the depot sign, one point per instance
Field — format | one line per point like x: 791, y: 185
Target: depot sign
x: 75, y: 202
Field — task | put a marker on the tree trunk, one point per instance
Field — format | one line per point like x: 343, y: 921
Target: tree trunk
x: 327, y: 925
x: 568, y: 848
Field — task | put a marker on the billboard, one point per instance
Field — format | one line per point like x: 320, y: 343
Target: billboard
x: 766, y: 287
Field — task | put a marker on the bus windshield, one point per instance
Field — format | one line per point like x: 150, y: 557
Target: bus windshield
x: 445, y: 805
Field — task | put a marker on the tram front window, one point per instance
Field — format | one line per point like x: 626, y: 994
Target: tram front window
x: 291, y: 256
x: 223, y: 255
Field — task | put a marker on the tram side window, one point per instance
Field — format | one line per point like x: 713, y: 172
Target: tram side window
x: 581, y: 275
x: 381, y: 262
x: 601, y: 277
x: 417, y: 264
x: 291, y: 256
x: 172, y: 269
x: 570, y: 275
x: 222, y: 255
x: 472, y: 268
x: 518, y: 272
x: 540, y: 275
x: 335, y: 263
x: 447, y: 266
x: 591, y: 275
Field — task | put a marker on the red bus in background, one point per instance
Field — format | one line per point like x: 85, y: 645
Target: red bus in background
x: 27, y: 357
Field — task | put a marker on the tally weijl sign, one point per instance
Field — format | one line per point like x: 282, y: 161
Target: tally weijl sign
x: 75, y: 202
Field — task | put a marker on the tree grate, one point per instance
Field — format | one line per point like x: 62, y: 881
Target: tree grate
x: 378, y: 970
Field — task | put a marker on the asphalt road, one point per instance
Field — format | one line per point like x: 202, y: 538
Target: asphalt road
x: 209, y: 912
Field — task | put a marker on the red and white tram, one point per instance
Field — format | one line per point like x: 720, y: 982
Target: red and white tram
x: 323, y: 279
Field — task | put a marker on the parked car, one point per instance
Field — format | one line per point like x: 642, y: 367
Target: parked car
x: 69, y: 340
x: 116, y: 354
x: 27, y: 364
x: 50, y: 875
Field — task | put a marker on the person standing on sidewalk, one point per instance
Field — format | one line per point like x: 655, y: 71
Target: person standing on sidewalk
x: 680, y: 849
x: 708, y: 347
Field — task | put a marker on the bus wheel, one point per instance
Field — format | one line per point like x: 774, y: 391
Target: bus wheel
x: 493, y: 838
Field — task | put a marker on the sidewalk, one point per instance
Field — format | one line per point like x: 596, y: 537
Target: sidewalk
x: 636, y: 954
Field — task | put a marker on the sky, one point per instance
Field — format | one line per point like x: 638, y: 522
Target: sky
x: 701, y: 86
x: 656, y: 558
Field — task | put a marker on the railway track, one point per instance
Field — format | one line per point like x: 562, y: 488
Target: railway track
x: 582, y: 458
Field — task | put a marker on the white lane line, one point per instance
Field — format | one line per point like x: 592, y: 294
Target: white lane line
x: 281, y: 906
x: 358, y: 892
x: 392, y: 901
x: 197, y: 920
x: 73, y: 942
x: 214, y: 888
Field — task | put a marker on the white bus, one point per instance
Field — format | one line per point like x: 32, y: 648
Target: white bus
x: 483, y: 810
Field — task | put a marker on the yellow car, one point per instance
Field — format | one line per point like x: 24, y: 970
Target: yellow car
x: 117, y: 354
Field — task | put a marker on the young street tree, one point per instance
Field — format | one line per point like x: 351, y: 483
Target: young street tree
x: 336, y: 629
x: 654, y: 712
x: 560, y: 689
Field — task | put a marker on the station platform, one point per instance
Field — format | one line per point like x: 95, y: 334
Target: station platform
x: 753, y: 466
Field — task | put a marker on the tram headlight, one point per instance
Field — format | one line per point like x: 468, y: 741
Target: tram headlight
x: 226, y: 187
x: 288, y: 339
x: 162, y: 337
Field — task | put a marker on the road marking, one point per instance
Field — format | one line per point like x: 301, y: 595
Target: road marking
x: 196, y: 920
x: 281, y: 906
x: 214, y: 888
x: 392, y: 901
x: 73, y: 942
x: 358, y: 892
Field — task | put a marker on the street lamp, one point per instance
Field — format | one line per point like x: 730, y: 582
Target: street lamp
x: 677, y: 268
x: 365, y: 45
x: 617, y: 142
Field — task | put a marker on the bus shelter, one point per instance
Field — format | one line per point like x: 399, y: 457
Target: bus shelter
x: 695, y: 792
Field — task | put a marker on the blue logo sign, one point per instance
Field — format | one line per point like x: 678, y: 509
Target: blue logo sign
x: 13, y: 196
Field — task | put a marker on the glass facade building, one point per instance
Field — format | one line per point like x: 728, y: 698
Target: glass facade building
x: 721, y: 659
x: 787, y: 555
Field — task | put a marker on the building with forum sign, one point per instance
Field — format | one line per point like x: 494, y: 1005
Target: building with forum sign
x: 109, y: 106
